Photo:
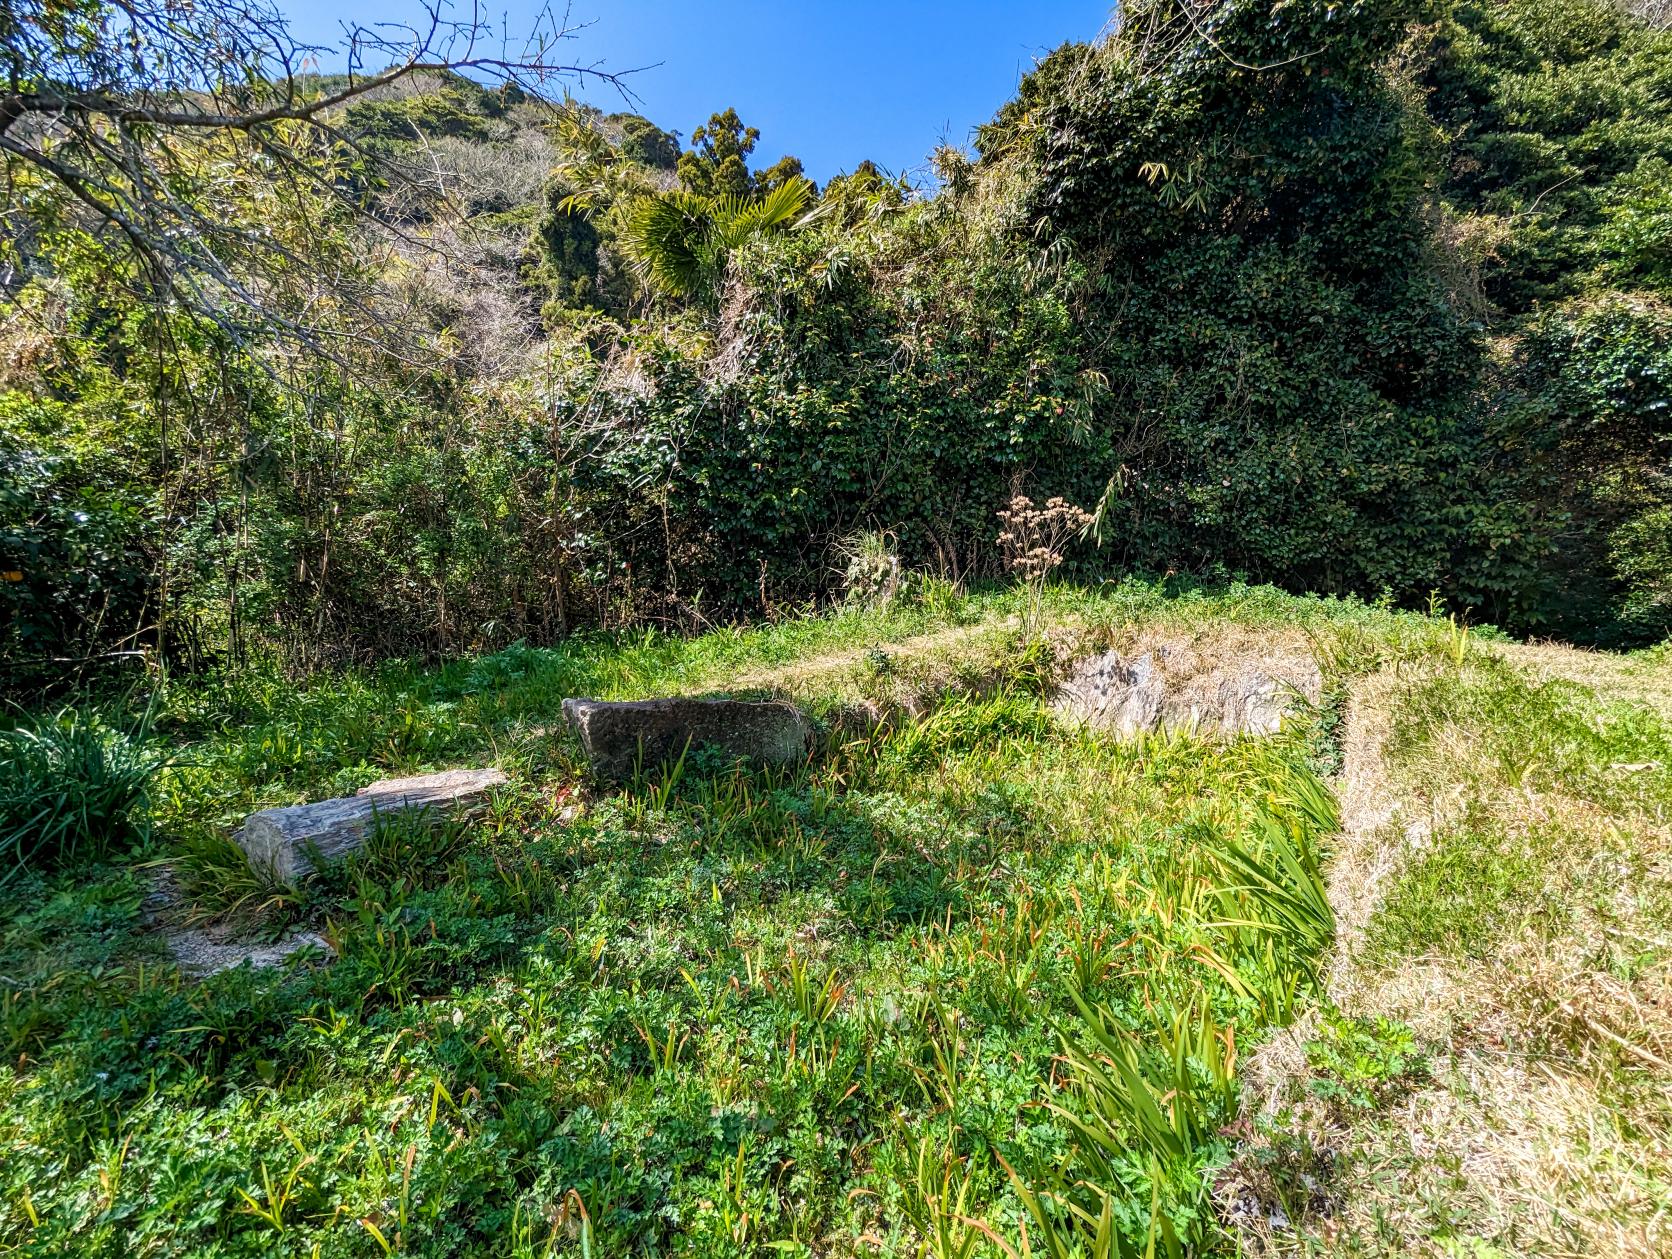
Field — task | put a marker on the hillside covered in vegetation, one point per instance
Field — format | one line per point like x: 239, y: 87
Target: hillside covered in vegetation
x: 1358, y: 297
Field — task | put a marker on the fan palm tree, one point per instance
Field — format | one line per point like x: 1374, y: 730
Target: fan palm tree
x: 681, y: 240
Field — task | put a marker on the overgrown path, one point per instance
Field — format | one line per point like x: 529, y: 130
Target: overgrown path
x: 926, y: 660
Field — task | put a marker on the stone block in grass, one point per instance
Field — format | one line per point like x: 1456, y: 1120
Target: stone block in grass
x: 1199, y: 687
x: 621, y: 738
x: 287, y: 843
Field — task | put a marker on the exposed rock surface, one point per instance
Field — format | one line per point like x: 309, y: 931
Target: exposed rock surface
x: 621, y: 737
x: 200, y: 954
x: 284, y: 842
x: 1188, y: 686
x: 201, y: 951
x: 1113, y: 693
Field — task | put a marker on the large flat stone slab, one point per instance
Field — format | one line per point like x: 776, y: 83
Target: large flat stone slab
x: 620, y: 738
x: 285, y: 842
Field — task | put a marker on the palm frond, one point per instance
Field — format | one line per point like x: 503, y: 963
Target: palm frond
x: 680, y: 239
x: 778, y: 207
x: 672, y: 239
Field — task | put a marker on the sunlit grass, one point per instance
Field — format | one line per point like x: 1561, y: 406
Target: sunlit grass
x: 881, y: 995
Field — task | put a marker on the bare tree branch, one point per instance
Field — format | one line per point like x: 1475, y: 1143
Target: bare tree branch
x: 141, y: 112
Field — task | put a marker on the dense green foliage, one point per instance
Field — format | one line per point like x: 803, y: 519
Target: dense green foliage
x: 1360, y: 296
x: 1558, y: 201
x: 1558, y: 135
x: 1295, y: 381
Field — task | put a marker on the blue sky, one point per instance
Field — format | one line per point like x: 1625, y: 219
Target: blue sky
x: 831, y: 82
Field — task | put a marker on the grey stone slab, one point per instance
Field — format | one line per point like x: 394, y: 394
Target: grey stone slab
x: 619, y: 737
x: 283, y: 842
x: 1180, y: 690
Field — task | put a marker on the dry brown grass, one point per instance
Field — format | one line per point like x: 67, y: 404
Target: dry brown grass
x: 1632, y: 679
x: 1546, y: 1126
x: 1376, y: 824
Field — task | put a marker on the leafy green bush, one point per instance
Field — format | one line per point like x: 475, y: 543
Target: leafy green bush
x: 1588, y: 400
x: 73, y: 577
x: 72, y: 788
x: 1360, y: 297
x: 1364, y: 1062
x: 1556, y: 116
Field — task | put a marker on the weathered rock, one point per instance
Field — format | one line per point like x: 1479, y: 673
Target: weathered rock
x: 622, y: 737
x: 200, y: 955
x: 1184, y: 687
x: 1115, y: 694
x: 285, y: 842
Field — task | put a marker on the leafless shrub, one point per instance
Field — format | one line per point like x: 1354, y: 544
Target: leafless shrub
x: 1032, y: 540
x: 493, y: 177
x: 121, y: 116
x: 1657, y: 13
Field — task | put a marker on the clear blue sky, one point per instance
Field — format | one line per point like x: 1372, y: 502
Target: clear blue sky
x: 831, y: 82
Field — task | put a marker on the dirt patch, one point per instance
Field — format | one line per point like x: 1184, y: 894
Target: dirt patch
x: 199, y: 954
x: 1378, y: 827
x: 204, y: 950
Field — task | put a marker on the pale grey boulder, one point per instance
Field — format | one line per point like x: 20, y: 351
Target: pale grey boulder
x: 619, y: 738
x: 1114, y: 694
x: 1257, y: 703
x: 285, y: 842
x: 1196, y: 687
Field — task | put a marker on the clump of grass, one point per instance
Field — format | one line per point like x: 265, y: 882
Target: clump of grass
x: 72, y: 788
x: 872, y: 575
x: 1150, y: 1103
x: 219, y: 883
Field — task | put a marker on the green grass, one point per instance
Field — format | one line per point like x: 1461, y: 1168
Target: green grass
x: 1496, y: 865
x: 72, y: 788
x: 964, y: 980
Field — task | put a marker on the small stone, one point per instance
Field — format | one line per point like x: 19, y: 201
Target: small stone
x: 284, y: 842
x: 620, y: 738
